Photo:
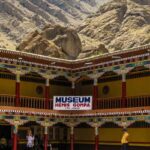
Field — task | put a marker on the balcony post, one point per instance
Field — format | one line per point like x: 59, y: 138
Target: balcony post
x: 45, y: 138
x: 95, y: 93
x: 96, y: 138
x: 17, y: 101
x: 72, y: 138
x: 73, y: 88
x: 47, y: 88
x: 124, y: 91
x: 15, y: 131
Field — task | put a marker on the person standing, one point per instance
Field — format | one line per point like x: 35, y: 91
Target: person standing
x: 125, y: 140
x: 30, y: 140
x: 37, y: 143
x: 3, y: 143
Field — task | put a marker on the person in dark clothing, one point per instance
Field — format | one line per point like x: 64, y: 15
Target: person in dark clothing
x: 37, y: 143
x: 3, y: 143
x: 10, y: 144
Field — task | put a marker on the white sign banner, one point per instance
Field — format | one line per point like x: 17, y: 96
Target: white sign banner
x: 72, y: 102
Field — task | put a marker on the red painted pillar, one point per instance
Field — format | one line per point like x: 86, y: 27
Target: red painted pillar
x: 17, y: 101
x: 96, y: 138
x: 15, y: 131
x: 47, y: 88
x: 46, y: 138
x: 124, y: 91
x: 73, y: 88
x: 95, y: 93
x: 72, y: 139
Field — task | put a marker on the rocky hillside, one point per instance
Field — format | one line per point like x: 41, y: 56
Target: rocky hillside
x: 119, y: 24
x: 20, y: 17
x: 115, y: 25
x: 54, y: 41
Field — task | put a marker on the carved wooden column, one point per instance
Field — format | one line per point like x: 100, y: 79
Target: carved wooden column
x: 72, y: 138
x: 96, y: 138
x: 47, y: 88
x: 17, y: 101
x: 124, y: 91
x: 45, y: 138
x: 95, y: 93
x: 15, y: 132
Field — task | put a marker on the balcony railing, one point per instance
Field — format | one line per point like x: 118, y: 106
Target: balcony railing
x: 28, y: 102
x: 101, y: 103
x: 133, y: 101
x: 7, y: 100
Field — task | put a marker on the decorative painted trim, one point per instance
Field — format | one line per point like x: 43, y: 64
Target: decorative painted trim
x: 73, y: 76
x: 47, y: 58
x: 72, y: 121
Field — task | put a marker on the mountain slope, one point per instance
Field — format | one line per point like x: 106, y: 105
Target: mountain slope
x: 119, y: 24
x: 116, y: 25
x: 20, y: 17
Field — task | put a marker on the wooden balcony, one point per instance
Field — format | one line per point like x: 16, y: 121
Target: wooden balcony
x: 27, y: 102
x: 129, y: 102
x: 101, y: 104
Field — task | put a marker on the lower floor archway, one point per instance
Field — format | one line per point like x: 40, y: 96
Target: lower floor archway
x: 77, y: 133
x: 5, y: 135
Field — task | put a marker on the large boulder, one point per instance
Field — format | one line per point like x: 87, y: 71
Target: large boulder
x: 55, y: 41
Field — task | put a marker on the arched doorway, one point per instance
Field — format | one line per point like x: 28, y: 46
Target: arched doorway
x: 37, y: 132
x: 139, y: 138
x: 5, y: 134
x: 84, y: 86
x: 60, y: 86
x: 60, y: 137
x: 110, y: 136
x: 84, y: 137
